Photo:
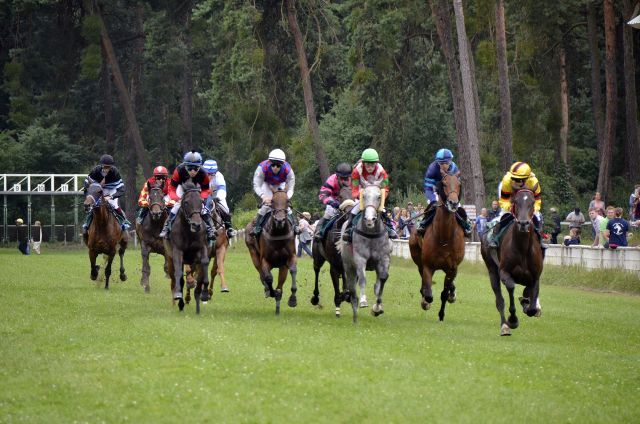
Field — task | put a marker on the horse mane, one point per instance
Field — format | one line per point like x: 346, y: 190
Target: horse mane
x: 188, y: 185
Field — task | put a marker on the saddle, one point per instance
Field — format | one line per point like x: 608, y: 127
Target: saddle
x: 503, y: 226
x: 326, y: 225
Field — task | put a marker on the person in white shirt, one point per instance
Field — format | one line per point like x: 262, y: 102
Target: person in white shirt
x: 218, y: 196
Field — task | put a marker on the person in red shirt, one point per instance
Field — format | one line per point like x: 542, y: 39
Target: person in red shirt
x: 189, y: 169
x: 160, y: 175
x: 366, y: 172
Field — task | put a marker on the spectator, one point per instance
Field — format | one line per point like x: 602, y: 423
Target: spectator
x: 419, y: 209
x: 596, y: 220
x: 576, y: 219
x: 634, y: 204
x: 603, y: 239
x: 555, y: 230
x: 306, y: 234
x: 412, y: 215
x: 617, y: 229
x: 403, y: 224
x: 480, y: 224
x: 596, y: 202
x: 573, y: 238
x: 494, y: 212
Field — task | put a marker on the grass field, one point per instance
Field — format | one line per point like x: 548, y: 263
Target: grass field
x: 72, y: 352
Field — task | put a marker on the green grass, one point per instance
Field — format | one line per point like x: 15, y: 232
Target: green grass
x: 71, y: 351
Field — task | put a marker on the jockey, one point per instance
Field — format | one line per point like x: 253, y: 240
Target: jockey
x: 368, y: 171
x: 442, y: 165
x: 107, y: 175
x: 329, y: 194
x: 160, y: 175
x: 519, y: 177
x: 218, y: 188
x: 270, y: 175
x: 189, y: 169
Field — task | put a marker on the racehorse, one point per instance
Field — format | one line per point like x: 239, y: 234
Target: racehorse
x: 442, y: 246
x: 104, y: 233
x: 370, y: 249
x: 518, y: 260
x: 148, y: 232
x: 187, y: 244
x: 275, y: 248
x: 325, y: 250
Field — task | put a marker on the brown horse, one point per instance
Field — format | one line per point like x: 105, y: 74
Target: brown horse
x: 187, y: 244
x: 275, y: 248
x: 518, y: 260
x: 148, y: 232
x: 104, y: 233
x: 325, y: 250
x: 442, y: 247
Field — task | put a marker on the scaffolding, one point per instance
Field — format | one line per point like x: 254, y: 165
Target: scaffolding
x: 41, y: 185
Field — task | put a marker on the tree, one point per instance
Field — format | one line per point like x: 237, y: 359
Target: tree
x: 632, y: 143
x: 469, y: 102
x: 305, y: 75
x: 503, y: 85
x: 596, y: 90
x: 564, y: 105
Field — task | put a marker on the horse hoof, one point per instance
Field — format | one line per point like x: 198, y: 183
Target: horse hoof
x: 538, y: 313
x: 180, y: 304
x: 452, y: 298
x: 337, y: 312
x: 224, y: 289
x: 315, y: 300
x: 505, y: 330
x: 364, y: 304
x: 513, y: 323
x: 425, y: 305
x: 204, y: 296
x: 123, y: 277
x: 293, y: 302
x: 191, y: 284
x: 147, y: 289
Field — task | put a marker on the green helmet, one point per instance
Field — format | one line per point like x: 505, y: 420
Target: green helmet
x: 370, y: 155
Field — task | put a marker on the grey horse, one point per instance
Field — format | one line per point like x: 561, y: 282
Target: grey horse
x: 370, y: 250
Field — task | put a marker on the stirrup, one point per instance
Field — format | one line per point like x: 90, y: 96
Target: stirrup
x: 231, y: 233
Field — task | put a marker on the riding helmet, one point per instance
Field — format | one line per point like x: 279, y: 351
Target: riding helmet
x: 107, y: 160
x: 160, y: 171
x: 520, y: 170
x: 211, y: 166
x: 277, y: 155
x: 343, y: 169
x: 192, y: 158
x: 370, y: 155
x: 444, y: 156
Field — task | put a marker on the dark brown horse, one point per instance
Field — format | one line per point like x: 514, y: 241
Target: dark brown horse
x: 325, y: 250
x: 518, y: 260
x: 442, y: 247
x: 104, y: 234
x: 148, y: 232
x: 187, y: 244
x: 275, y: 248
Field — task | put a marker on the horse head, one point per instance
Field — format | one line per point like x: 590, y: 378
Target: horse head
x: 449, y: 191
x: 191, y: 206
x: 156, y: 201
x: 279, y: 209
x: 522, y: 208
x: 370, y: 203
x: 92, y: 197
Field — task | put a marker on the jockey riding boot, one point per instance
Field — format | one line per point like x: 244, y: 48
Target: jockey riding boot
x: 122, y: 219
x: 257, y: 228
x: 318, y: 235
x: 211, y: 231
x: 538, y: 229
x: 493, y: 239
x: 227, y: 224
x: 141, y: 213
x: 348, y: 230
x: 87, y: 222
x: 167, y: 226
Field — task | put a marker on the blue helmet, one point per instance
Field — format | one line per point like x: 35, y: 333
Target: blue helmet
x: 444, y: 156
x: 192, y: 158
x: 211, y: 166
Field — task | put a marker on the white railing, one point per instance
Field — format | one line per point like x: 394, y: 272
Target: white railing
x: 623, y: 258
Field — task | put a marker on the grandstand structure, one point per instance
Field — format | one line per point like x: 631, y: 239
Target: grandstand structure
x: 26, y: 186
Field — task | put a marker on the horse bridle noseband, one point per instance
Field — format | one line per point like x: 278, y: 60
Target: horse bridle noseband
x: 163, y: 207
x: 193, y: 212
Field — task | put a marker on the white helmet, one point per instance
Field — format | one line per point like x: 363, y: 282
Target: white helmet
x: 277, y: 155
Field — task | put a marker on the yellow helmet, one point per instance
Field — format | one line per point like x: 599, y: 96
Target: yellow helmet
x: 520, y: 170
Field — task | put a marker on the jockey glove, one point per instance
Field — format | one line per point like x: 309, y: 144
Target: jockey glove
x: 334, y: 204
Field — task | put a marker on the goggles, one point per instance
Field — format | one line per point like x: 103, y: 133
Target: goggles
x: 193, y: 168
x: 518, y: 180
x: 276, y: 164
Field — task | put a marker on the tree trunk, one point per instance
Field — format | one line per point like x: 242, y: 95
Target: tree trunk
x: 105, y: 78
x: 135, y: 90
x: 604, y: 177
x: 469, y: 102
x: 186, y: 102
x: 503, y: 86
x: 632, y: 143
x: 308, y: 93
x: 596, y: 90
x: 564, y: 106
x: 123, y: 95
x: 441, y: 17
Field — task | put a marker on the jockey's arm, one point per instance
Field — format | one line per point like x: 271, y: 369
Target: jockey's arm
x: 291, y: 183
x: 143, y: 198
x: 258, y: 182
x: 119, y: 192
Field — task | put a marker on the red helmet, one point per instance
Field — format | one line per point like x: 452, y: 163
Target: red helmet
x: 159, y: 171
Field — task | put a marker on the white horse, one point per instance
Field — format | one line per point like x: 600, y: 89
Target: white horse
x: 370, y: 250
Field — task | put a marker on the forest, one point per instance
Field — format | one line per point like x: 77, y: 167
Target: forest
x: 552, y: 83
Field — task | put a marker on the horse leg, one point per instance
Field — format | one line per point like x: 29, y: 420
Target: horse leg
x: 282, y: 276
x: 267, y: 279
x: 94, y: 268
x: 219, y: 264
x: 107, y: 271
x: 425, y: 290
x: 177, y: 275
x: 337, y: 295
x: 318, y: 261
x: 203, y: 280
x: 293, y: 270
x: 382, y: 274
x: 146, y: 269
x: 123, y: 247
x: 448, y: 293
x: 362, y: 282
x: 510, y: 284
x: 530, y: 301
x: 505, y: 328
